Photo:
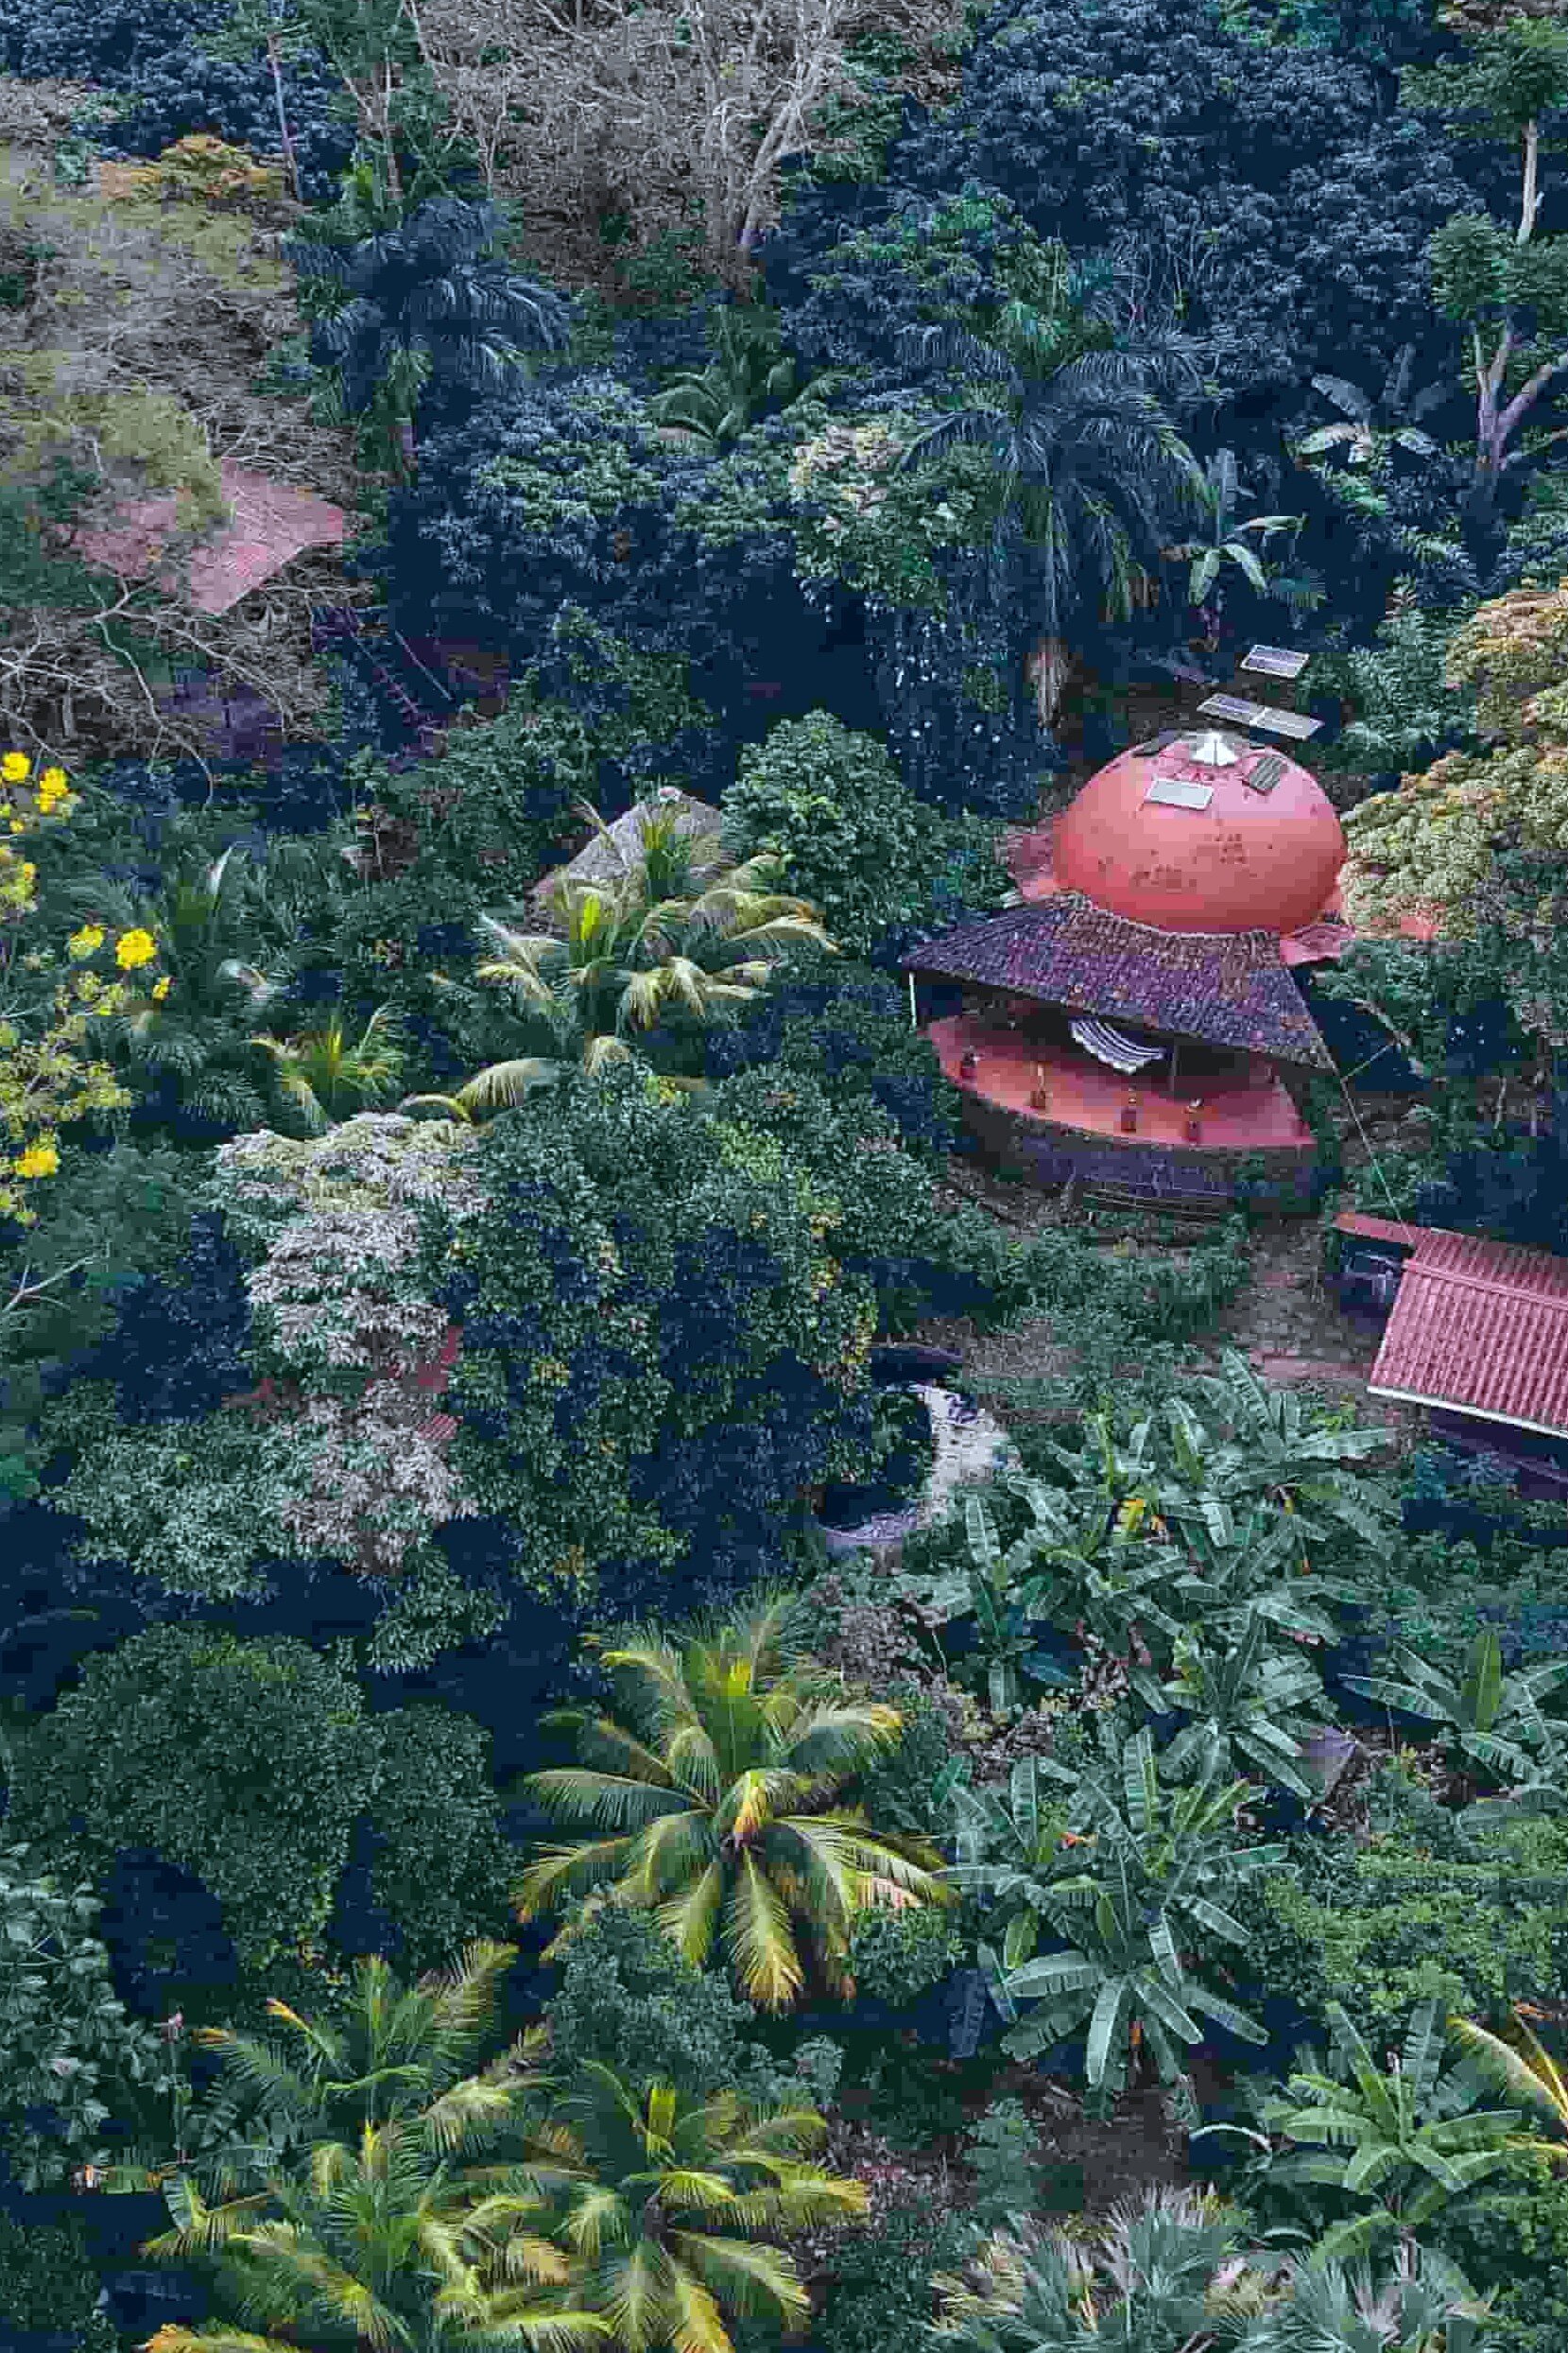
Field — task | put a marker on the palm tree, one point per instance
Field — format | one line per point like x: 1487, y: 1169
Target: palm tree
x: 1167, y: 2273
x: 622, y: 964
x: 386, y: 2242
x: 419, y: 305
x: 356, y: 2220
x: 722, y: 1797
x: 1224, y: 543
x: 179, y: 1031
x: 324, y: 1077
x: 746, y: 371
x: 393, y: 2050
x: 1406, y: 2140
x: 659, y: 2200
x: 1086, y: 460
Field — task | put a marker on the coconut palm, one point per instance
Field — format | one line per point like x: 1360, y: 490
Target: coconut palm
x: 1169, y: 2272
x: 324, y: 1077
x: 721, y: 1794
x: 393, y: 2050
x: 358, y: 2221
x: 386, y: 2241
x: 1087, y: 462
x: 622, y: 964
x: 1404, y: 2140
x: 659, y: 2202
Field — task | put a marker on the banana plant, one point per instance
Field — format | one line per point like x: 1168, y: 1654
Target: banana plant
x: 1491, y: 1718
x: 1404, y: 2140
x: 1370, y: 431
x: 1144, y: 1872
x: 1255, y: 1702
x: 1007, y: 1852
x: 1217, y: 494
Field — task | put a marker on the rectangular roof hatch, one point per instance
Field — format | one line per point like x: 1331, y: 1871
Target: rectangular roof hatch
x: 1177, y: 792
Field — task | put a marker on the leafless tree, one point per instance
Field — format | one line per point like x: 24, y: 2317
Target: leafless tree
x: 582, y: 108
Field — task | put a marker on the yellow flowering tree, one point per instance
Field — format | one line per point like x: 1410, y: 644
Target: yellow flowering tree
x: 49, y: 1073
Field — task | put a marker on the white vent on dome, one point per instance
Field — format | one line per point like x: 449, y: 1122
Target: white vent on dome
x: 1213, y: 750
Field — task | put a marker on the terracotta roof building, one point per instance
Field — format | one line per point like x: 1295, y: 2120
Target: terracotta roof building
x: 1162, y: 899
x: 1480, y: 1328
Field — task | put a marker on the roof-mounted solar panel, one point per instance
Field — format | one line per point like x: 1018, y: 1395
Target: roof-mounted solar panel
x: 1179, y: 792
x: 1158, y: 743
x: 1292, y: 724
x: 1264, y: 774
x: 1277, y: 661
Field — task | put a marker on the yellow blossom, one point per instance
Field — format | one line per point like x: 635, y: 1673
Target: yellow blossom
x: 86, y: 941
x: 159, y: 989
x: 16, y: 767
x: 52, y: 780
x: 133, y: 948
x: 39, y: 1160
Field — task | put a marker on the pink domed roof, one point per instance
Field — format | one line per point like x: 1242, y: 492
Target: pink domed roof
x: 1245, y: 860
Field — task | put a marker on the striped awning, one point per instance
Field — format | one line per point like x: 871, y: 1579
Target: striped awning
x: 1109, y: 1046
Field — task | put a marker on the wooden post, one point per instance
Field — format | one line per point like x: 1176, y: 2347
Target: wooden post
x: 912, y: 1021
x: 1174, y: 1044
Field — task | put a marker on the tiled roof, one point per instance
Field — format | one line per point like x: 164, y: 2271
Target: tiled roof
x: 1480, y: 1328
x: 1229, y: 989
x: 269, y: 522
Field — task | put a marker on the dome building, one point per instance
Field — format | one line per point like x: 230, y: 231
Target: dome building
x: 1128, y: 1023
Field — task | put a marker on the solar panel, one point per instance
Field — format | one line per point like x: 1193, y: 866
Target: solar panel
x: 1157, y: 743
x: 1264, y: 774
x: 1176, y: 792
x: 1276, y: 660
x: 1292, y: 724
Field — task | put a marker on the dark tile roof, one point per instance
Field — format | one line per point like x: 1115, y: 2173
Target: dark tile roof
x: 1226, y: 988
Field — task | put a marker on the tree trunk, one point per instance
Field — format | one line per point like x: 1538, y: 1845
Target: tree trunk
x: 290, y: 161
x: 1047, y: 668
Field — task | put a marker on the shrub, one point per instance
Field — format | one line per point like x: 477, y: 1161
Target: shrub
x: 245, y: 1762
x: 879, y: 2298
x: 849, y: 1030
x: 66, y: 2043
x: 1423, y: 1912
x: 897, y: 1956
x: 48, y: 2281
x: 629, y: 2000
x: 853, y: 838
x: 442, y: 1864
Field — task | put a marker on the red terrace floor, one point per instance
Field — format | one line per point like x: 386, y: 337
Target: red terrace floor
x: 1087, y: 1096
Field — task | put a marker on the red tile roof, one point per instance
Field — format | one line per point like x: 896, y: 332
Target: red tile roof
x: 1480, y: 1328
x: 269, y: 522
x: 1379, y: 1229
